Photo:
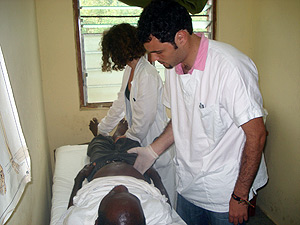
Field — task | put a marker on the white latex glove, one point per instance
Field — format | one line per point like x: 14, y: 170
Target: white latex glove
x: 146, y: 157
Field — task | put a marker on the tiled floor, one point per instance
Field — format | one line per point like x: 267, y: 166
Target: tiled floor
x: 259, y: 218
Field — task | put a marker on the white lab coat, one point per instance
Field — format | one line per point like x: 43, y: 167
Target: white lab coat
x: 208, y: 108
x: 145, y: 112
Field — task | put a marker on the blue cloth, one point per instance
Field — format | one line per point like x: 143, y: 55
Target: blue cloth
x: 194, y: 215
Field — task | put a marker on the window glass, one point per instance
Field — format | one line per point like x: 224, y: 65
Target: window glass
x: 95, y: 16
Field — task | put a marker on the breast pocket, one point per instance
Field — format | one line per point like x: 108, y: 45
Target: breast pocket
x: 215, y: 124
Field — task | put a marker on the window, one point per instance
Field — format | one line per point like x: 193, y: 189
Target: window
x: 97, y: 88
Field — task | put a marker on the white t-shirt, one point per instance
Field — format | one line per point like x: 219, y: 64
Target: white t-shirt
x: 87, y: 200
x: 208, y: 107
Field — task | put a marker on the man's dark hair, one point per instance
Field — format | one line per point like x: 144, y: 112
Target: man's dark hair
x: 163, y: 19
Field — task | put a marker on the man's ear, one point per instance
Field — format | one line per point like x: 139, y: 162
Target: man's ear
x: 181, y: 37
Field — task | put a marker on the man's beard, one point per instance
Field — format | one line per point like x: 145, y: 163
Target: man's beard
x: 166, y: 65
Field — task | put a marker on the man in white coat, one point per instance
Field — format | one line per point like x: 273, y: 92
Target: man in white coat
x: 217, y: 118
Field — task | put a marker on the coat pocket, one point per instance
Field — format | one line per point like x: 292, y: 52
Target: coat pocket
x: 215, y: 124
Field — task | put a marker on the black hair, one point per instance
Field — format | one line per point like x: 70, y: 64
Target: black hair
x: 163, y: 19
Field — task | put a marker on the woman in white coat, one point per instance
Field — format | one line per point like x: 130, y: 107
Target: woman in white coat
x: 139, y: 99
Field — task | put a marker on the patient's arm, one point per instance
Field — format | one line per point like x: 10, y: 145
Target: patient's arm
x: 153, y: 174
x: 121, y: 130
x: 94, y: 126
x: 83, y: 173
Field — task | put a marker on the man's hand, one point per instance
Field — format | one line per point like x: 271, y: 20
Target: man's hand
x: 238, y: 212
x: 255, y: 133
x: 146, y: 157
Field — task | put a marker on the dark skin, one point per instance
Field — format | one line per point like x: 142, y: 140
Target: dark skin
x: 118, y: 169
x: 119, y: 133
x: 131, y: 212
x: 113, y: 205
x: 115, y: 169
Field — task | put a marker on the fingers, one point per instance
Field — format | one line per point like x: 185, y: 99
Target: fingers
x: 94, y: 126
x: 123, y: 121
x: 133, y: 150
x: 94, y: 121
x: 237, y: 220
x: 245, y: 218
x: 230, y: 219
x: 238, y: 213
x: 145, y: 159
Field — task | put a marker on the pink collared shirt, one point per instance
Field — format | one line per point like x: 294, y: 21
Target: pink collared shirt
x: 200, y: 59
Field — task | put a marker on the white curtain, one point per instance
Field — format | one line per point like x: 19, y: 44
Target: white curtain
x: 15, y: 170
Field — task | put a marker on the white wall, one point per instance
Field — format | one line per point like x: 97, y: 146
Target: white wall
x: 269, y: 32
x: 19, y: 42
x: 66, y: 122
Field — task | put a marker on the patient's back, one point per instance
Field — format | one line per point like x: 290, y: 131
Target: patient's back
x: 118, y: 169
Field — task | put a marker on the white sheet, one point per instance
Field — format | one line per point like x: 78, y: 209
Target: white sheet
x: 69, y: 160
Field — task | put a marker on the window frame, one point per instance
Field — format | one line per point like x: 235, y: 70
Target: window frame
x: 79, y: 57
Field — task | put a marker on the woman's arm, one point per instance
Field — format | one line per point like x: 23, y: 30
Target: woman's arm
x: 117, y: 110
x: 145, y: 94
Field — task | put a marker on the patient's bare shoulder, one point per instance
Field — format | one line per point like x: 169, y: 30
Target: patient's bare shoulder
x: 118, y: 169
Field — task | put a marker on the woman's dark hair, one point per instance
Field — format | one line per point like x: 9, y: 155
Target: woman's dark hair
x: 119, y: 46
x: 163, y: 19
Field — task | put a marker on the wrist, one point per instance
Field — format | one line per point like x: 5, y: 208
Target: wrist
x: 152, y: 152
x: 156, y: 148
x: 241, y: 190
x: 241, y: 200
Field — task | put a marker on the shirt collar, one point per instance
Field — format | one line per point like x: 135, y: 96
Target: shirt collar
x: 200, y: 59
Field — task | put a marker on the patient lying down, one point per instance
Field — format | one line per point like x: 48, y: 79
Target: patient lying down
x: 116, y: 192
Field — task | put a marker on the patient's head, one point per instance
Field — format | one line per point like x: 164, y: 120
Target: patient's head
x: 119, y: 207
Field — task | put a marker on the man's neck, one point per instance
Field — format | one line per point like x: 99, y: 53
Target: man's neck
x: 192, y: 51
